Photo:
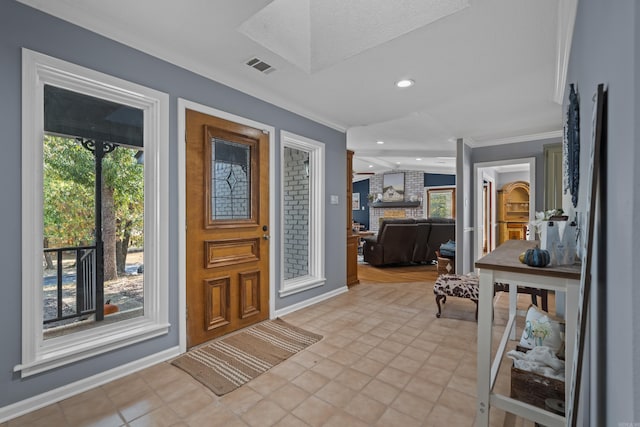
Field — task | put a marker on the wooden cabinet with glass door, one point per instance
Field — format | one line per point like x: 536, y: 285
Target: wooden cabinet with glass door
x: 513, y: 211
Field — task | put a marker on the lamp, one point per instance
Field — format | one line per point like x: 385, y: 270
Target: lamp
x: 306, y: 167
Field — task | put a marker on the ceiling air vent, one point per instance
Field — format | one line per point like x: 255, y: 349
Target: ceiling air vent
x: 260, y: 65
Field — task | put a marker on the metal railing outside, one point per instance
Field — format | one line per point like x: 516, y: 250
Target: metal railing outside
x: 85, y: 282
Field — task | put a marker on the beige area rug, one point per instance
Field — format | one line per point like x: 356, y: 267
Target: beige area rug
x: 231, y: 361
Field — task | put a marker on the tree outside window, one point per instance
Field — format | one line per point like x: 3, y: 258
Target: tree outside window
x: 441, y: 202
x: 69, y: 222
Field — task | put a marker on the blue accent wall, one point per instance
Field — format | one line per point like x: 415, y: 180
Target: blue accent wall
x: 22, y: 26
x: 362, y: 216
x: 438, y: 179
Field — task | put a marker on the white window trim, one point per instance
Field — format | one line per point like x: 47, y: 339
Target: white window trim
x: 39, y: 355
x: 316, y: 276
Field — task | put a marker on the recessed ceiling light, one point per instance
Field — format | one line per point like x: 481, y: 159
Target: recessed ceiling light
x: 370, y: 166
x: 380, y: 142
x: 405, y: 83
x: 418, y: 159
x: 397, y: 163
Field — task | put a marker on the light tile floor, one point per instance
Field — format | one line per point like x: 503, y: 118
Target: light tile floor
x: 385, y: 360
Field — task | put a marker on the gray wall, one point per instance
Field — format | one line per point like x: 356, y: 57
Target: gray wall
x: 21, y: 26
x: 508, y: 177
x: 518, y: 150
x: 464, y: 208
x: 605, y: 50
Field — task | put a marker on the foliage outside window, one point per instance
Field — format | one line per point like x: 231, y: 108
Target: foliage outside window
x: 441, y: 202
x: 69, y: 221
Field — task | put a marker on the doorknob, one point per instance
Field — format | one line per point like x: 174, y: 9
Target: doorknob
x: 265, y: 236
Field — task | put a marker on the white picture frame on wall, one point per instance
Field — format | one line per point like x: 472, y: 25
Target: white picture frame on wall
x: 355, y: 201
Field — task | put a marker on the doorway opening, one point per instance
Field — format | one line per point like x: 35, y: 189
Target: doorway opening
x: 490, y: 178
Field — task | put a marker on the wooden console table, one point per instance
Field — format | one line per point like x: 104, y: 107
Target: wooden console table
x: 502, y: 265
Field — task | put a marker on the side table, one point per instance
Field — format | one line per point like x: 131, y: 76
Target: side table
x: 502, y: 265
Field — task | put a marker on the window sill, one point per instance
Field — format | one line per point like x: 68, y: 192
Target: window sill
x: 57, y: 352
x: 300, y: 284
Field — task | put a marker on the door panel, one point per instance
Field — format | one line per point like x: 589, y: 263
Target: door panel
x: 229, y: 252
x: 249, y: 294
x: 227, y: 226
x: 216, y: 298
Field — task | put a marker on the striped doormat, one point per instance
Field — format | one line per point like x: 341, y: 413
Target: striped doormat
x: 231, y: 361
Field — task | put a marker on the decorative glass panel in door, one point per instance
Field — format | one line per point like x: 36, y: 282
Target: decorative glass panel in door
x: 231, y: 190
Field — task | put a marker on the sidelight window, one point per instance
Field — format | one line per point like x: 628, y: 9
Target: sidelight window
x: 302, y: 208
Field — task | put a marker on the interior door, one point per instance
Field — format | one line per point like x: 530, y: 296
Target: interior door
x: 227, y: 168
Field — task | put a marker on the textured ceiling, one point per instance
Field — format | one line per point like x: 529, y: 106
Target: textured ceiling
x: 315, y: 34
x: 493, y: 72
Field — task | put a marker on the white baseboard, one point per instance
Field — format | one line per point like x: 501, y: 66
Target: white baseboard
x: 52, y: 396
x: 311, y: 301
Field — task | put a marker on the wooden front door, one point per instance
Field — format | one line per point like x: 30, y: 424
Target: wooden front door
x: 227, y: 185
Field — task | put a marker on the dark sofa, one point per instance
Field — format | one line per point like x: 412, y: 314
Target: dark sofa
x: 406, y: 240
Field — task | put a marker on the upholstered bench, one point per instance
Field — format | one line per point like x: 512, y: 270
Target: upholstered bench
x: 453, y: 285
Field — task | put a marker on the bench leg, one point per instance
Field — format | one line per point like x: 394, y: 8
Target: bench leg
x: 438, y: 298
x: 544, y: 296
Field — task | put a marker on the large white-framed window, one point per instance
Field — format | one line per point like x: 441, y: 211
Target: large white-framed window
x: 302, y: 213
x: 38, y: 354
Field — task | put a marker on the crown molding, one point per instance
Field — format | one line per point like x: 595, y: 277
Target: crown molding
x: 567, y: 10
x: 363, y: 154
x: 516, y: 139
